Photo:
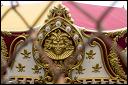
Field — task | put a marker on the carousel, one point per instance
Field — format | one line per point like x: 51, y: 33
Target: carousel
x: 58, y: 42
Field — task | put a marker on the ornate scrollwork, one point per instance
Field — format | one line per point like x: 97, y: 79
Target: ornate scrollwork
x: 114, y: 61
x: 97, y: 41
x: 59, y: 11
x: 112, y: 70
x: 88, y: 34
x: 61, y: 41
x: 4, y: 51
x: 117, y: 34
x: 6, y: 33
x: 40, y: 80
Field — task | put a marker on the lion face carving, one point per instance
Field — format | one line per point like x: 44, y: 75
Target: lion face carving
x: 58, y: 43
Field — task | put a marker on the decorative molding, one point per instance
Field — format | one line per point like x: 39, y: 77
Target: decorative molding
x: 106, y: 62
x: 15, y: 34
x: 117, y: 34
x: 15, y: 42
x: 7, y: 33
x: 61, y: 41
x: 40, y: 80
x: 86, y: 35
x: 59, y: 11
x: 4, y: 51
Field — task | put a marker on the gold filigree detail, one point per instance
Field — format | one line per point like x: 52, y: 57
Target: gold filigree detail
x: 76, y: 80
x: 62, y: 43
x: 96, y: 68
x: 85, y: 35
x: 7, y: 33
x: 90, y: 54
x: 58, y: 45
x: 20, y: 67
x: 4, y: 51
x: 36, y: 69
x: 59, y: 11
x: 117, y: 34
x: 26, y: 54
x: 25, y: 35
x: 80, y: 69
x: 13, y: 47
x: 114, y: 61
x: 41, y: 80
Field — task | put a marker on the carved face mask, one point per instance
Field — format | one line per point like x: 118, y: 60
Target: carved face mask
x: 58, y: 42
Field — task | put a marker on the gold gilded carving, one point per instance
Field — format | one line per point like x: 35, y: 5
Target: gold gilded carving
x: 114, y: 61
x: 26, y: 54
x: 13, y: 34
x: 59, y: 11
x: 108, y: 67
x: 58, y: 45
x: 76, y: 81
x: 20, y: 67
x: 90, y: 54
x: 13, y: 47
x: 61, y: 42
x: 4, y: 51
x: 96, y: 68
x: 85, y: 35
x: 118, y: 33
x: 36, y: 69
x: 41, y: 80
x: 95, y: 80
x: 104, y: 53
x: 67, y: 80
x: 113, y: 56
x: 7, y: 33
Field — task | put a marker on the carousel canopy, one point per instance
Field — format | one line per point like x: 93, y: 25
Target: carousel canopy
x: 115, y: 19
